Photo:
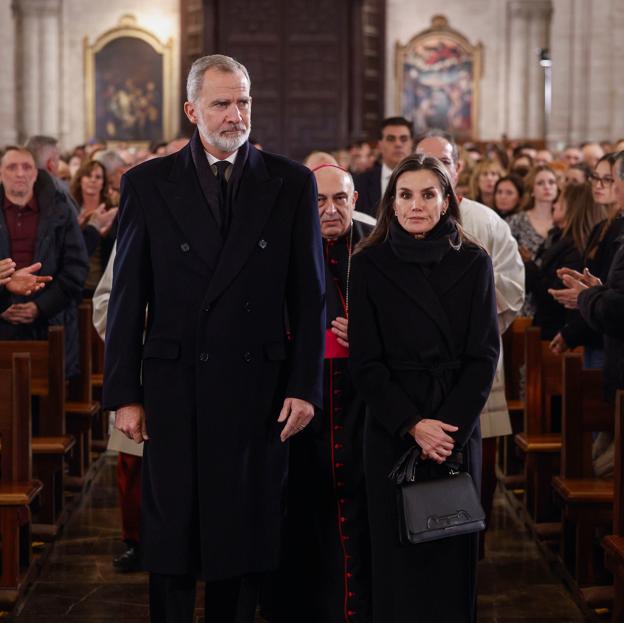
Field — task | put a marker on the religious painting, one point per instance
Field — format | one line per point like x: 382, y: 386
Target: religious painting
x: 128, y: 85
x: 438, y: 74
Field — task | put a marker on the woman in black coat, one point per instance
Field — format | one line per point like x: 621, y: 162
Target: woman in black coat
x: 424, y: 344
x: 575, y: 215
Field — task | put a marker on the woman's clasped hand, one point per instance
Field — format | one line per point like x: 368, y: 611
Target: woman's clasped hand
x: 432, y: 437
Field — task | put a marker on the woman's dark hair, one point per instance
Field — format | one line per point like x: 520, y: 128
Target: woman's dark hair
x: 385, y: 211
x: 518, y: 182
x: 85, y: 169
x: 582, y: 214
x: 528, y: 202
x: 495, y: 151
x: 521, y: 170
x: 584, y: 168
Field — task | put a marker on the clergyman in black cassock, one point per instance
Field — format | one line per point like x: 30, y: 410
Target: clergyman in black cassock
x: 325, y: 576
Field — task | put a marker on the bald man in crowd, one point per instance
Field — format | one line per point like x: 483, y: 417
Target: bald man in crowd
x: 326, y: 564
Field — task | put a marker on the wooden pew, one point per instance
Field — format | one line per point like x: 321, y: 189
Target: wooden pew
x: 513, y: 351
x: 17, y: 487
x: 613, y: 544
x: 53, y: 445
x: 540, y: 446
x: 47, y: 359
x: 80, y: 409
x: 587, y: 501
x: 510, y: 467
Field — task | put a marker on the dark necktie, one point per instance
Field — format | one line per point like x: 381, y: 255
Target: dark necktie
x: 222, y: 166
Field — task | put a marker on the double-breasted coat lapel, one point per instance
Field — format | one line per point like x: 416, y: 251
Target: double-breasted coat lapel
x: 192, y: 209
x: 252, y: 203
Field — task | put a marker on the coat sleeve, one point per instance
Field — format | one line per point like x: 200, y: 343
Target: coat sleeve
x: 73, y: 267
x: 508, y: 273
x: 101, y: 297
x: 465, y: 401
x: 388, y: 402
x: 5, y: 299
x: 576, y: 331
x: 132, y: 282
x: 603, y: 309
x: 539, y: 281
x: 305, y: 300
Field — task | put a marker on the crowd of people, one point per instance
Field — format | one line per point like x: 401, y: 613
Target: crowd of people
x: 421, y: 251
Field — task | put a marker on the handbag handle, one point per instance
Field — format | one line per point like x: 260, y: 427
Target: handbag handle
x: 405, y: 468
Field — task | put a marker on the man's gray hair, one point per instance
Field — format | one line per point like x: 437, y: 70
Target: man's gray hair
x: 220, y: 62
x: 41, y: 148
x: 110, y: 160
x: 437, y: 133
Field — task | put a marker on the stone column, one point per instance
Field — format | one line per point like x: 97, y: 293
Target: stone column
x: 517, y: 74
x: 529, y: 27
x: 538, y: 38
x: 8, y: 93
x: 38, y: 66
x: 50, y: 69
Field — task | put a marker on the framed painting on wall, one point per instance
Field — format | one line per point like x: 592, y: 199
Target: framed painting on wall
x: 438, y: 73
x: 128, y: 85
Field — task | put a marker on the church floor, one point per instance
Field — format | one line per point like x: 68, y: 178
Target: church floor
x: 79, y: 585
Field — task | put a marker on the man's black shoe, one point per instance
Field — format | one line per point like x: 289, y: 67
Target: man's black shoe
x: 128, y: 561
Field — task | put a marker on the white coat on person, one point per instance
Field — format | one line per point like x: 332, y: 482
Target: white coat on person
x: 492, y: 232
x: 117, y: 442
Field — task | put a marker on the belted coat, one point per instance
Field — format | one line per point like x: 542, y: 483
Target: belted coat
x: 234, y: 325
x: 423, y: 344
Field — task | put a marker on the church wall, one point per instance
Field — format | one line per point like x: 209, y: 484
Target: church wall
x: 585, y: 39
x: 588, y: 59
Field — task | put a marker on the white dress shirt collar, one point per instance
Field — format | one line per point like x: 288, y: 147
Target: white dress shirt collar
x: 386, y: 172
x: 211, y: 159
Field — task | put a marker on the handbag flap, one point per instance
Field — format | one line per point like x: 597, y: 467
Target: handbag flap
x: 442, y: 507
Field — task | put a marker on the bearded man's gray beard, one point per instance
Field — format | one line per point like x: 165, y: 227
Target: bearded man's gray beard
x: 225, y: 143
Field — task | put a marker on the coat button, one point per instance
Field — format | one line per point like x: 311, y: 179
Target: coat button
x: 204, y: 357
x: 185, y: 247
x: 263, y: 244
x: 247, y: 357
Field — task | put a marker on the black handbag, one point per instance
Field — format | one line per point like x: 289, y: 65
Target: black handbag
x: 435, y: 501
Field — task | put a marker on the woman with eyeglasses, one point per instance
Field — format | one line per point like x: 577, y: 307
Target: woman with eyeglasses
x: 602, y: 246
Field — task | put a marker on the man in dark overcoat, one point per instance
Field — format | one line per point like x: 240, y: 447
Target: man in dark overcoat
x: 221, y: 243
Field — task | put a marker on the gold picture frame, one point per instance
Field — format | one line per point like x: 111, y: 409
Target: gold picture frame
x: 150, y: 96
x: 437, y: 76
